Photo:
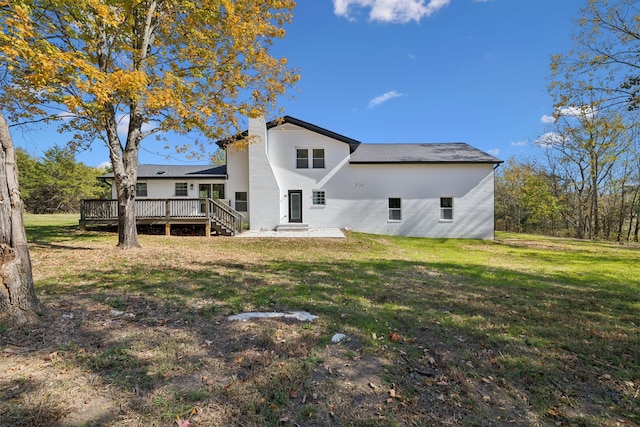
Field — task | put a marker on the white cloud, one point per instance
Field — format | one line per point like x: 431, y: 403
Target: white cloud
x: 384, y: 98
x: 584, y: 111
x: 520, y: 143
x: 494, y: 151
x: 550, y: 139
x: 393, y: 11
x: 547, y: 119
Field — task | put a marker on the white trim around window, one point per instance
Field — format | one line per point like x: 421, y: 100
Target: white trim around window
x: 181, y: 189
x: 310, y: 157
x: 318, y: 198
x: 446, y: 209
x: 395, y: 209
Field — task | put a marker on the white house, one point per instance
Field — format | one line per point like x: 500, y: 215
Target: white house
x: 289, y: 173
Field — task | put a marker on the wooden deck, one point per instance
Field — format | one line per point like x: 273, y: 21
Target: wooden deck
x: 217, y: 217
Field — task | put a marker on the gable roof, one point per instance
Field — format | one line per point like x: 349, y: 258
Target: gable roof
x: 457, y: 152
x: 353, y: 144
x: 178, y: 171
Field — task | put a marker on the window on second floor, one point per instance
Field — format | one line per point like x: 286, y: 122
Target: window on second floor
x: 304, y: 154
x: 302, y: 158
x: 318, y: 158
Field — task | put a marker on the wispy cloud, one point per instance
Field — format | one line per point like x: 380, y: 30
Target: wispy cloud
x: 384, y: 98
x: 494, y: 152
x: 522, y: 143
x: 392, y: 11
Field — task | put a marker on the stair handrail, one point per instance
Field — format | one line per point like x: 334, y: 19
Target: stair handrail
x: 226, y: 214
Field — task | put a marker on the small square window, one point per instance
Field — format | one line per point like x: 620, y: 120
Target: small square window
x: 241, y: 201
x: 302, y: 158
x: 318, y: 158
x: 446, y: 208
x: 319, y: 198
x: 395, y: 213
x: 141, y: 189
x: 181, y: 189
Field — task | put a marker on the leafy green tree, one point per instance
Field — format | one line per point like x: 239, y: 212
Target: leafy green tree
x: 524, y: 200
x: 150, y: 66
x: 57, y: 183
x: 29, y: 171
x: 604, y: 57
x: 582, y: 150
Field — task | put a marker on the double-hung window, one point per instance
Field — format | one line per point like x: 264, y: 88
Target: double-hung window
x: 303, y: 155
x: 241, y: 201
x: 446, y: 208
x: 181, y: 189
x: 302, y: 158
x: 395, y: 213
x: 141, y: 189
x: 318, y: 158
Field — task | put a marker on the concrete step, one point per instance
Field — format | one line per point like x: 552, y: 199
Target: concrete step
x: 293, y: 226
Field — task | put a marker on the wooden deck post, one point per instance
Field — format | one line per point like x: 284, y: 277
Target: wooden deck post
x: 207, y: 229
x: 167, y: 229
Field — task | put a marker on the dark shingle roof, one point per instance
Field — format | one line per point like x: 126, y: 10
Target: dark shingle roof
x: 178, y: 171
x: 353, y: 144
x: 420, y: 153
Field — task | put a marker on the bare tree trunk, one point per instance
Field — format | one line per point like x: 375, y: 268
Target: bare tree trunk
x: 125, y: 173
x: 18, y: 302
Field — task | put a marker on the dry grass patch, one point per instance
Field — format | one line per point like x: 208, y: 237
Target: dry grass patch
x: 518, y: 331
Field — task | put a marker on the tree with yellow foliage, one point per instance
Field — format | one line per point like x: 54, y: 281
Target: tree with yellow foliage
x: 162, y: 65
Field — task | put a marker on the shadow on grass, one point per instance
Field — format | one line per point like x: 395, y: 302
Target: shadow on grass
x: 496, y: 343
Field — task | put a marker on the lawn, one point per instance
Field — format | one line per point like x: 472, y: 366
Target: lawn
x: 523, y: 330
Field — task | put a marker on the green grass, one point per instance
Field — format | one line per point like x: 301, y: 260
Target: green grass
x: 520, y: 325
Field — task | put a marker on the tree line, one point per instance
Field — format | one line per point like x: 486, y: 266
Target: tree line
x: 587, y: 185
x: 57, y: 182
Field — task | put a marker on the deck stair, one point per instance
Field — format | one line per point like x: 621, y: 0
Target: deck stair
x: 218, y: 217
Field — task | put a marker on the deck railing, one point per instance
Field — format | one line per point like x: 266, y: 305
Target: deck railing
x: 165, y: 209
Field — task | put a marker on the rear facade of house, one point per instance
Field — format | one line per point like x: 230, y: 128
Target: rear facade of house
x: 291, y: 174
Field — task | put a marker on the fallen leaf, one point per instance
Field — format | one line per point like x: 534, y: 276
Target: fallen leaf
x: 293, y: 394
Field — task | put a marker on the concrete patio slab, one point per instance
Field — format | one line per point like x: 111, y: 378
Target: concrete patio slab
x: 325, y: 233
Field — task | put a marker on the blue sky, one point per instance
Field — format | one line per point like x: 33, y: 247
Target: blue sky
x: 408, y: 71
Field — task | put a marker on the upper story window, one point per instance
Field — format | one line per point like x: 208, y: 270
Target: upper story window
x: 395, y: 213
x: 446, y: 208
x: 302, y: 158
x: 318, y: 158
x: 141, y: 189
x: 181, y: 189
x: 304, y: 154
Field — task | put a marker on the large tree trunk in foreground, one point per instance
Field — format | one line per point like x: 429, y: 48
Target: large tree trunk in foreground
x: 18, y: 302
